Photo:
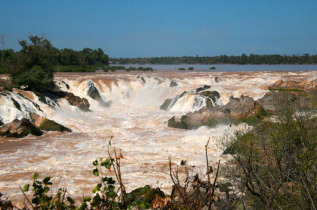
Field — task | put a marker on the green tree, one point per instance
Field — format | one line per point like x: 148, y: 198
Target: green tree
x: 33, y: 65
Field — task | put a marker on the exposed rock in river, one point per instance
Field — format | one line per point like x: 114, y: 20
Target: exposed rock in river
x: 173, y: 83
x: 241, y: 108
x: 46, y: 124
x: 294, y: 86
x: 81, y: 103
x: 197, y: 99
x: 19, y: 129
x: 93, y: 93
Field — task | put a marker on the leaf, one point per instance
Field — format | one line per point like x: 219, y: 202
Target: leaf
x: 46, y: 189
x: 70, y: 200
x: 87, y: 199
x: 26, y: 188
x: 111, y: 181
x: 97, y: 188
x: 46, y: 180
x: 83, y: 206
x: 96, y: 172
x: 111, y: 187
x: 36, y: 201
x: 95, y: 163
x: 112, y: 194
x: 35, y: 176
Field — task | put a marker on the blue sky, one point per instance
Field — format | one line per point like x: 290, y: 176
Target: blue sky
x: 145, y: 28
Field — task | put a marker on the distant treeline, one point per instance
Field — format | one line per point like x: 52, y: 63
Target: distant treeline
x: 63, y: 59
x: 222, y: 59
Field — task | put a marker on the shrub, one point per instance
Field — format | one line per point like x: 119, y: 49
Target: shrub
x: 190, y: 68
x: 181, y: 69
x: 276, y: 163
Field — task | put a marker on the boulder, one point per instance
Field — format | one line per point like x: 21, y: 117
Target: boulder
x: 276, y: 101
x: 217, y: 79
x: 173, y: 83
x: 19, y: 129
x: 242, y: 107
x: 166, y: 104
x: 93, y: 93
x: 81, y: 103
x: 46, y: 124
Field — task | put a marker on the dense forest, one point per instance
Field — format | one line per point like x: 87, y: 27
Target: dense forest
x: 222, y: 59
x: 60, y: 59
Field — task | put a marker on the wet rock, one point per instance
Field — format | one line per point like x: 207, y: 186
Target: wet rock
x: 67, y: 86
x: 141, y: 78
x: 205, y: 87
x: 159, y: 80
x: 1, y: 123
x: 173, y: 83
x: 19, y: 129
x: 238, y: 109
x: 81, y: 103
x: 46, y: 124
x: 217, y: 79
x: 212, y: 98
x: 93, y: 93
x: 166, y: 104
x: 282, y: 85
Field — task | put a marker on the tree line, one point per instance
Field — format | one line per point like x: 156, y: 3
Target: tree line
x: 222, y: 59
x: 56, y: 58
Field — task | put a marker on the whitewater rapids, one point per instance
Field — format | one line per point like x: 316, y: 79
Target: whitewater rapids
x: 134, y: 119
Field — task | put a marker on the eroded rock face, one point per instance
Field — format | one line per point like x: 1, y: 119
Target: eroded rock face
x: 19, y: 129
x: 202, y: 98
x: 294, y: 86
x: 46, y: 124
x: 237, y: 109
x: 81, y: 103
x: 276, y: 101
x: 242, y: 107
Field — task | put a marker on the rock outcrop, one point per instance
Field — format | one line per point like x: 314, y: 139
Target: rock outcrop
x: 81, y: 103
x: 19, y: 129
x: 276, y: 101
x: 46, y: 124
x: 306, y: 85
x: 173, y: 83
x: 93, y: 93
x: 283, y: 95
x: 203, y: 97
x: 238, y: 109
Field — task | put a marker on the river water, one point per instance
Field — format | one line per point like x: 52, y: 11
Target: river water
x: 138, y: 126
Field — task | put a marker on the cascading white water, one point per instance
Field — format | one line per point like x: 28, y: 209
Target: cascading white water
x: 134, y: 119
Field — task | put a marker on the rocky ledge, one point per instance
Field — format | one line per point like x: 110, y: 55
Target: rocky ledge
x: 35, y: 126
x: 242, y: 109
x: 282, y: 95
